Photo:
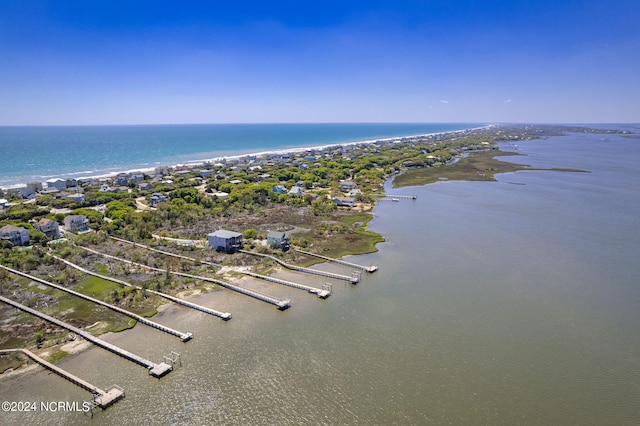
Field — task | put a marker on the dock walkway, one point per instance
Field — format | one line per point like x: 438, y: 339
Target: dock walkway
x: 281, y: 304
x: 398, y: 197
x: 167, y: 253
x: 353, y: 279
x: 155, y: 370
x: 185, y: 337
x: 101, y: 398
x: 370, y: 269
x: 321, y: 293
x: 226, y: 316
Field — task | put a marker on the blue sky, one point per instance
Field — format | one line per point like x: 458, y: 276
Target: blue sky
x: 126, y: 62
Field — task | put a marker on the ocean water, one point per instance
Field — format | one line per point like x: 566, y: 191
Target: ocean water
x: 39, y: 153
x: 514, y: 302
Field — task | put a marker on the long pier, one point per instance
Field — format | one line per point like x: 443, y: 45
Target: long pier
x: 281, y: 304
x: 226, y: 316
x: 321, y: 293
x: 101, y: 398
x: 185, y: 337
x: 155, y: 370
x: 353, y: 279
x: 370, y: 269
x: 398, y: 197
x: 167, y: 253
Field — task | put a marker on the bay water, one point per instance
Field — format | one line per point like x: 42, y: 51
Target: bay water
x: 508, y: 302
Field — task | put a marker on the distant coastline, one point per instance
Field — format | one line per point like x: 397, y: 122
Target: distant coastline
x: 208, y: 157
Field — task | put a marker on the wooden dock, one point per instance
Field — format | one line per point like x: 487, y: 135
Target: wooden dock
x: 370, y: 268
x: 399, y: 197
x: 226, y: 316
x: 101, y: 398
x: 155, y: 370
x: 166, y: 253
x: 281, y: 304
x: 185, y: 337
x: 353, y: 279
x: 321, y: 293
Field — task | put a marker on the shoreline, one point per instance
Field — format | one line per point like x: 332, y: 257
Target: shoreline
x: 75, y: 347
x: 145, y: 168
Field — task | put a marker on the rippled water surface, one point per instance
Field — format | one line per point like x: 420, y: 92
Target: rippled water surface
x: 495, y: 303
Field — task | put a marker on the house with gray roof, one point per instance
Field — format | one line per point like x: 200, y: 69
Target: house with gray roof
x: 278, y: 239
x: 76, y: 223
x: 226, y: 241
x: 16, y: 235
x: 344, y: 201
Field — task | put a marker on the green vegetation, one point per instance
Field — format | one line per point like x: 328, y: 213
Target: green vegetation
x: 251, y: 206
x: 58, y: 356
x: 10, y: 361
x: 478, y: 166
x: 97, y: 287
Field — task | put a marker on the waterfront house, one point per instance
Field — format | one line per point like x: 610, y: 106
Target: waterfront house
x: 34, y: 186
x: 49, y: 227
x: 122, y: 179
x: 162, y: 170
x: 146, y: 186
x: 16, y: 235
x: 22, y: 190
x: 59, y: 184
x: 223, y: 240
x: 76, y: 223
x: 4, y: 203
x: 278, y: 239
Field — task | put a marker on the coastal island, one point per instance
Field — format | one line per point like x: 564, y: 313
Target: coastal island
x: 154, y: 230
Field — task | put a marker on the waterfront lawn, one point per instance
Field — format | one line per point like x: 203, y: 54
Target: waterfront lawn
x: 97, y: 287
